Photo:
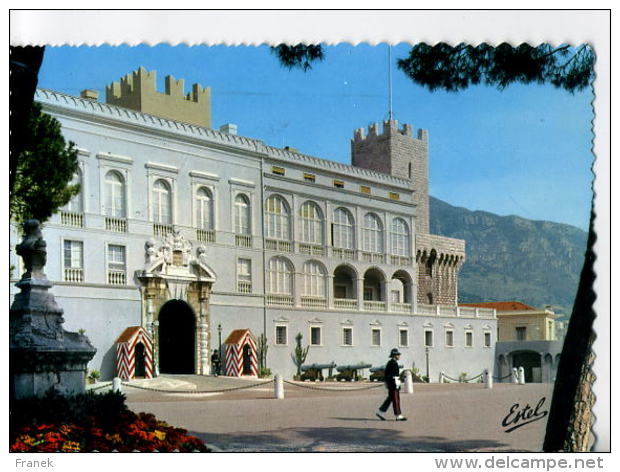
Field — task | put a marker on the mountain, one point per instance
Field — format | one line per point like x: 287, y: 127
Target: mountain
x: 513, y: 258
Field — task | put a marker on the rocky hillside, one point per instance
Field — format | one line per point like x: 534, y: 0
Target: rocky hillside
x: 512, y: 258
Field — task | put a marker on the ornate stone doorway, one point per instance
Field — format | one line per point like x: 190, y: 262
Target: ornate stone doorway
x: 177, y: 338
x: 175, y: 289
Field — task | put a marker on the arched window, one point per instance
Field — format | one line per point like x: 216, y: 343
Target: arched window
x: 162, y: 202
x: 401, y: 242
x: 280, y: 276
x: 277, y: 218
x: 114, y: 195
x: 373, y: 233
x: 311, y: 223
x: 315, y: 277
x: 75, y: 204
x: 204, y: 208
x: 242, y: 214
x: 342, y: 234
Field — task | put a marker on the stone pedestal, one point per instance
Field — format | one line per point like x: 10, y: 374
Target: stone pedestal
x: 42, y: 354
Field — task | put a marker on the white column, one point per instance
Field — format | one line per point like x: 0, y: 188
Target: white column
x: 278, y: 387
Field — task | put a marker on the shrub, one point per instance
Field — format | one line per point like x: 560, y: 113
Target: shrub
x: 91, y: 422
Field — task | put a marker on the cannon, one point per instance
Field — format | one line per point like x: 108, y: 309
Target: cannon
x: 377, y: 374
x: 349, y: 372
x: 315, y: 371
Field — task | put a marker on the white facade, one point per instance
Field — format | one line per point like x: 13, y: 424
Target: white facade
x: 298, y: 244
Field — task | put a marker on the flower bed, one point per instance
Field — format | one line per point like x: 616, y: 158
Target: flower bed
x: 91, y: 423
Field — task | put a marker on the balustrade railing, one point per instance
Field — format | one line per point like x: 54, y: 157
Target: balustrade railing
x: 162, y: 230
x: 311, y: 249
x: 117, y: 277
x: 244, y: 286
x: 400, y: 260
x: 277, y: 245
x: 279, y: 300
x: 374, y: 305
x: 243, y: 240
x: 400, y: 307
x: 340, y: 253
x: 374, y: 257
x: 71, y: 218
x: 74, y: 275
x: 427, y: 309
x: 117, y: 225
x: 313, y: 302
x: 345, y: 303
x: 205, y: 235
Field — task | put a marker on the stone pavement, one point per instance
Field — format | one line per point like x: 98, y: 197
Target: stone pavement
x: 442, y: 417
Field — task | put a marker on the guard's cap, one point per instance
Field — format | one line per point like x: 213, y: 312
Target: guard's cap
x: 394, y: 352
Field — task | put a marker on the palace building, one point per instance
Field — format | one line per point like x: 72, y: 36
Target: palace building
x: 193, y: 236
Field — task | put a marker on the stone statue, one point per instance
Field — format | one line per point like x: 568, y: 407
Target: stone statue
x: 33, y: 248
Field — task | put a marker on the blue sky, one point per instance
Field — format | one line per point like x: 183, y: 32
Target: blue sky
x: 522, y: 151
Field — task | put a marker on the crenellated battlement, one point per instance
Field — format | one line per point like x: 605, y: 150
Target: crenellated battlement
x: 138, y: 91
x: 390, y: 128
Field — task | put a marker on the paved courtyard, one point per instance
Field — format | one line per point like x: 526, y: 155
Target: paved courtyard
x: 442, y: 417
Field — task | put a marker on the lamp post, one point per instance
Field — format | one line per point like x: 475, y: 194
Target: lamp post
x: 219, y: 332
x: 428, y: 377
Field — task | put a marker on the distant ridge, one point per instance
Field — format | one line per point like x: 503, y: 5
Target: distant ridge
x: 513, y: 258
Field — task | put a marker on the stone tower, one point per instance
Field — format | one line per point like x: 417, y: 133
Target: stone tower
x: 138, y: 91
x: 398, y: 152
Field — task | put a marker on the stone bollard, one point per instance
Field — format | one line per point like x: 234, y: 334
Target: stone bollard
x: 408, y: 382
x: 278, y: 387
x: 441, y: 377
x: 488, y: 379
x: 521, y: 375
x: 515, y: 375
x: 116, y: 385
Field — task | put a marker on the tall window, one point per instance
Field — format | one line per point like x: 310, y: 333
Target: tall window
x: 244, y: 275
x: 311, y: 223
x: 521, y: 333
x: 75, y: 204
x: 315, y: 335
x: 347, y: 336
x: 314, y: 279
x: 403, y: 337
x: 428, y: 338
x: 204, y: 208
x: 277, y: 218
x: 162, y: 202
x: 242, y: 214
x: 449, y: 338
x: 487, y: 339
x: 373, y: 233
x: 116, y: 264
x: 375, y: 337
x: 469, y: 339
x: 401, y: 241
x: 280, y: 276
x: 73, y: 254
x: 114, y: 195
x: 342, y: 236
x: 281, y: 335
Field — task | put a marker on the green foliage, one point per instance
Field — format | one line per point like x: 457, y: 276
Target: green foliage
x: 454, y: 68
x: 300, y: 56
x: 262, y: 352
x: 264, y: 373
x: 463, y: 377
x: 43, y: 170
x: 94, y: 375
x: 79, y: 409
x: 299, y: 357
